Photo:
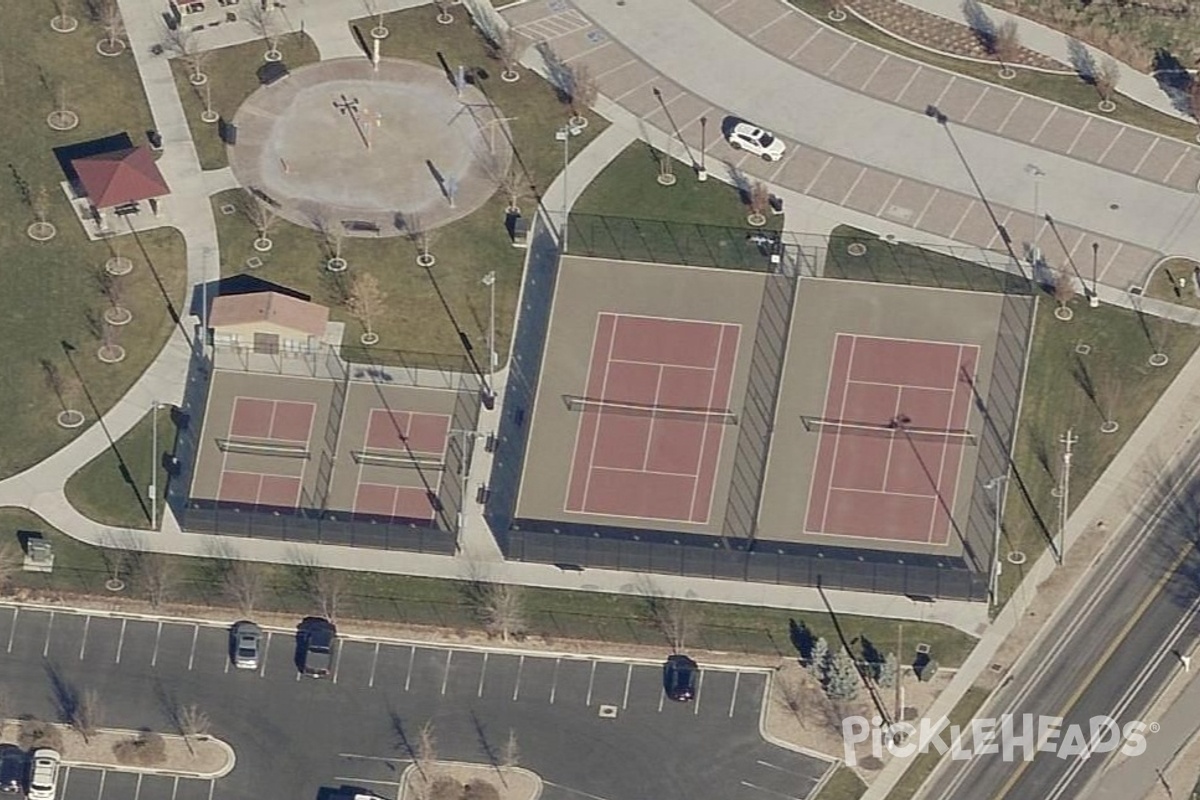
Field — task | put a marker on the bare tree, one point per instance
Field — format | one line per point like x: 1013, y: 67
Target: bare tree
x: 193, y: 722
x: 505, y: 45
x: 1194, y: 98
x: 333, y: 233
x: 581, y: 89
x: 1006, y: 46
x: 419, y: 234
x: 260, y: 213
x: 1064, y: 287
x: 503, y: 610
x: 262, y: 19
x: 182, y: 43
x: 511, y: 756
x: 113, y: 25
x: 365, y: 301
x: 426, y: 755
x: 1106, y: 77
x: 85, y: 713
x: 326, y: 588
x: 243, y: 583
x: 676, y: 619
x: 40, y: 203
x: 758, y: 198
x: 159, y: 577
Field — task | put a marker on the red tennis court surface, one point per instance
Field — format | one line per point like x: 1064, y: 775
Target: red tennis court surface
x: 258, y: 489
x: 415, y: 443
x: 879, y: 481
x: 654, y: 456
x: 278, y: 420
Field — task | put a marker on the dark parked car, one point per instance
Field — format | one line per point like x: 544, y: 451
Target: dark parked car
x: 12, y: 769
x: 679, y: 678
x: 315, y: 637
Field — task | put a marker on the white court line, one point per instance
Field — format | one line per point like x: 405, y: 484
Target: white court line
x: 13, y: 630
x: 482, y: 672
x: 49, y: 629
x: 699, y: 691
x: 374, y: 662
x: 412, y: 654
x: 121, y: 641
x: 737, y: 676
x: 628, y: 679
x: 517, y: 686
x: 87, y: 623
x: 192, y: 655
x: 157, y: 637
x: 446, y: 670
x: 554, y: 683
x: 591, y: 683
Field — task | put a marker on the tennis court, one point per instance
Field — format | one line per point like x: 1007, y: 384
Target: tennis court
x: 892, y: 435
x: 652, y: 418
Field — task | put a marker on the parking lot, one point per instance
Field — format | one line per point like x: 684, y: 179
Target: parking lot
x: 594, y: 727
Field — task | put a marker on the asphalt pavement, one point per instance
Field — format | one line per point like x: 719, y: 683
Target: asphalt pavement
x: 297, y: 735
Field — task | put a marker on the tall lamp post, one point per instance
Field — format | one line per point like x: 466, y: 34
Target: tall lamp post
x: 1036, y: 172
x: 1094, y: 300
x: 564, y: 135
x: 702, y: 175
x: 154, y: 465
x: 996, y: 485
x: 489, y: 281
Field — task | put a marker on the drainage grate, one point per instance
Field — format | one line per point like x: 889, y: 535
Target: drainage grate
x: 608, y: 712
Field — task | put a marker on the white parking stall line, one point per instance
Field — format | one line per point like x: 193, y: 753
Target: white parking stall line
x: 192, y: 655
x: 212, y: 785
x: 346, y: 780
x: 628, y: 679
x: 87, y: 622
x: 446, y: 671
x: 554, y: 681
x: 66, y: 773
x: 737, y: 676
x: 793, y: 773
x: 662, y: 695
x: 13, y: 630
x: 591, y: 682
x: 337, y: 660
x: 699, y: 690
x: 137, y: 789
x: 768, y: 791
x: 157, y: 638
x: 100, y: 791
x: 517, y: 685
x: 374, y: 663
x: 482, y: 672
x: 175, y: 788
x: 412, y: 654
x: 227, y: 660
x: 49, y: 628
x: 266, y: 649
x: 121, y: 642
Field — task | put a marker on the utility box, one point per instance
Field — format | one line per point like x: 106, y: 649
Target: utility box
x: 39, y: 555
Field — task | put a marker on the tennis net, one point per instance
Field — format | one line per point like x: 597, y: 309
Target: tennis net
x: 892, y: 429
x: 264, y: 448
x: 721, y: 416
x: 400, y: 460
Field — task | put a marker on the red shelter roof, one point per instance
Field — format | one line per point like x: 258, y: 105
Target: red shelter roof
x: 120, y: 176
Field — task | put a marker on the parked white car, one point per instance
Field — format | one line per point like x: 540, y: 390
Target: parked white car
x: 43, y: 774
x: 745, y: 136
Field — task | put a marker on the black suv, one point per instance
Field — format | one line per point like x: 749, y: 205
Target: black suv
x: 12, y: 769
x: 679, y: 678
x: 315, y: 637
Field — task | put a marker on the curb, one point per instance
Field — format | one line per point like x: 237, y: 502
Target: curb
x: 539, y: 784
x: 113, y: 766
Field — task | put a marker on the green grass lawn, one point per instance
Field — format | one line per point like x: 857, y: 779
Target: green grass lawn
x: 1066, y: 89
x: 114, y: 487
x: 923, y: 764
x: 1059, y: 382
x: 51, y: 288
x: 625, y: 213
x: 844, y: 785
x: 1164, y: 282
x: 425, y: 308
x: 551, y: 614
x: 886, y: 262
x: 232, y: 77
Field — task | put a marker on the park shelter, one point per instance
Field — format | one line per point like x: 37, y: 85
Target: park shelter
x: 116, y: 182
x: 267, y: 322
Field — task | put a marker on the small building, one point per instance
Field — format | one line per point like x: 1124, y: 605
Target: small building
x: 270, y: 323
x: 115, y: 183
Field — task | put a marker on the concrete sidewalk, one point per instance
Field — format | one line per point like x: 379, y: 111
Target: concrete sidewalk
x: 1134, y: 84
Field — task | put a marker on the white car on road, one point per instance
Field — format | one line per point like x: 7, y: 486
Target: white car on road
x: 43, y: 774
x: 744, y: 136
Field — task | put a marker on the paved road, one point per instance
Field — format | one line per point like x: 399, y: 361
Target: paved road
x: 298, y: 735
x: 1113, y: 652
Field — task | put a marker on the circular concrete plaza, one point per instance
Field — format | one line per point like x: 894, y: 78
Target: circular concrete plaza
x: 341, y: 143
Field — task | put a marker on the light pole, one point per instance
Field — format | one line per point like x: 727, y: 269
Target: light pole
x: 154, y: 465
x: 489, y: 281
x: 564, y: 135
x: 703, y: 174
x: 996, y: 485
x: 1094, y: 300
x: 1037, y: 173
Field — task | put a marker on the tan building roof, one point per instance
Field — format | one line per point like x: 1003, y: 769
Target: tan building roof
x: 273, y: 307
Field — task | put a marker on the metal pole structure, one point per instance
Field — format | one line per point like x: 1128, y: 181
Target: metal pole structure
x: 1037, y: 173
x: 703, y: 174
x: 154, y: 465
x: 564, y: 133
x: 1064, y: 508
x: 1094, y: 300
x: 489, y: 281
x: 996, y: 484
